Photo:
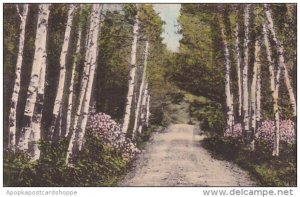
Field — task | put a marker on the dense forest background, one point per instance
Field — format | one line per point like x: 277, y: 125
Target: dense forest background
x: 196, y: 79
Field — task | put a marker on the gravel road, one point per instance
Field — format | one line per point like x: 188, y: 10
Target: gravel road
x: 175, y: 158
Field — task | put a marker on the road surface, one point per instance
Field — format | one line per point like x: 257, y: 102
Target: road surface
x: 175, y: 158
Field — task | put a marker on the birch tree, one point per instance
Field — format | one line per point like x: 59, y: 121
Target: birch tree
x: 18, y: 68
x: 148, y: 110
x: 143, y: 108
x: 229, y: 99
x: 87, y: 83
x: 238, y: 66
x: 245, y: 90
x: 93, y: 68
x: 255, y: 94
x: 32, y: 114
x: 131, y: 78
x: 274, y: 86
x: 62, y: 74
x: 82, y: 88
x: 72, y: 84
x: 138, y: 108
x: 258, y: 90
x: 281, y: 60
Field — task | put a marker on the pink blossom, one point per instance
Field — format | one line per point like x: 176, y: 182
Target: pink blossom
x: 103, y: 127
x: 266, y: 131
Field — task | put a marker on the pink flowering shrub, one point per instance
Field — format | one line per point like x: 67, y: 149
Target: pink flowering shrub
x: 266, y: 131
x: 287, y: 131
x: 236, y: 131
x: 109, y: 132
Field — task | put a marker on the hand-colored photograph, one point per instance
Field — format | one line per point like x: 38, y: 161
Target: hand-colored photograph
x: 154, y: 95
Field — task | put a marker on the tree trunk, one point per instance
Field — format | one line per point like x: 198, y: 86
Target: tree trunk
x: 276, y: 111
x: 238, y: 66
x: 34, y: 102
x: 281, y: 61
x: 258, y: 92
x: 131, y: 78
x: 36, y: 124
x: 62, y: 75
x: 246, y: 122
x: 16, y: 90
x: 274, y: 86
x: 72, y: 84
x: 143, y: 108
x: 87, y: 83
x: 148, y: 109
x: 254, y: 91
x: 138, y: 108
x: 229, y: 99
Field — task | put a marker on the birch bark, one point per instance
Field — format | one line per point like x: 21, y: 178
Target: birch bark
x: 131, y: 79
x: 274, y: 86
x: 138, y: 108
x: 148, y: 109
x: 229, y: 99
x: 143, y: 108
x: 93, y: 62
x: 258, y: 91
x: 16, y: 89
x: 71, y: 88
x: 246, y: 122
x: 238, y: 66
x: 31, y: 120
x: 62, y: 74
x: 254, y: 95
x: 87, y: 82
x: 281, y: 60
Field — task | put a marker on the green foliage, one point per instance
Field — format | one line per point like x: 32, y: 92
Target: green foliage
x: 112, y: 74
x: 176, y: 97
x: 130, y: 11
x: 198, y: 68
x: 210, y: 114
x: 263, y: 167
x: 144, y: 137
x: 97, y: 165
x: 151, y: 25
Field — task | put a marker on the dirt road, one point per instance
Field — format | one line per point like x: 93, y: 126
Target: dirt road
x: 176, y: 158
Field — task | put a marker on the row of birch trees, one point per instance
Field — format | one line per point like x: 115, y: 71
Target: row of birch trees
x: 242, y: 58
x: 73, y: 95
x: 249, y: 91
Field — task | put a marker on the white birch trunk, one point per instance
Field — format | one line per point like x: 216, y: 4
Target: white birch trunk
x: 36, y: 123
x: 62, y: 75
x: 245, y: 90
x: 238, y: 66
x: 229, y: 99
x: 81, y: 97
x: 276, y: 111
x: 72, y: 84
x: 16, y: 90
x: 274, y: 86
x: 254, y: 95
x: 143, y: 108
x: 258, y: 93
x: 138, y: 108
x: 87, y: 83
x: 282, y: 64
x: 131, y: 79
x: 148, y: 109
x: 31, y: 120
x: 84, y: 81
